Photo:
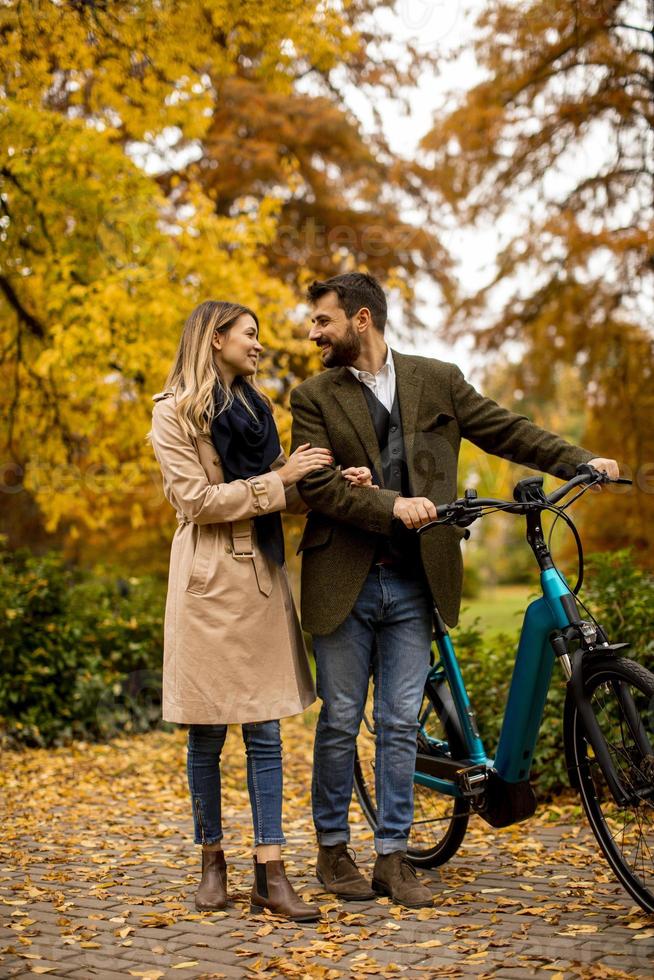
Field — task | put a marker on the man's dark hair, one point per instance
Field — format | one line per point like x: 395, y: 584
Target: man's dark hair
x: 354, y: 290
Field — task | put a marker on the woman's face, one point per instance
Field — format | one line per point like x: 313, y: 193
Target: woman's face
x: 237, y: 349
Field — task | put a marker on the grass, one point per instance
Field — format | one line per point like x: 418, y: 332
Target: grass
x: 500, y: 609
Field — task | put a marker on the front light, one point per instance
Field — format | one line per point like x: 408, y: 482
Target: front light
x: 589, y: 632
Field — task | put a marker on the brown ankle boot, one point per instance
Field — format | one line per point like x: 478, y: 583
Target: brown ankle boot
x: 212, y: 891
x: 272, y: 890
x: 337, y: 872
x: 394, y: 875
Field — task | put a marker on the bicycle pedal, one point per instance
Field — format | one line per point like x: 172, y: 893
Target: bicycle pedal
x: 472, y: 780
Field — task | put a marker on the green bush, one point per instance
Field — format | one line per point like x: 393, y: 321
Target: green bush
x: 472, y: 584
x: 621, y: 597
x: 80, y: 655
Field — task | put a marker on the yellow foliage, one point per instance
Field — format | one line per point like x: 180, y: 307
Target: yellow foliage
x: 99, y: 268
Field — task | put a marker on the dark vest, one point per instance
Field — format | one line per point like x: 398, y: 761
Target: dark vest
x: 403, y: 545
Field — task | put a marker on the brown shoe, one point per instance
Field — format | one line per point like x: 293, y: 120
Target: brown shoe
x: 212, y: 892
x: 394, y: 875
x: 272, y: 890
x: 338, y: 874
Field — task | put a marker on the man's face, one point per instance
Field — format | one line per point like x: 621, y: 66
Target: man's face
x: 333, y: 332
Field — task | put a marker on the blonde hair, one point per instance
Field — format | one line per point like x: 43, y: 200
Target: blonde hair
x: 194, y: 374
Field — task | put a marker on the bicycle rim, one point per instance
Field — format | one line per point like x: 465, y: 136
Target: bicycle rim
x: 625, y: 834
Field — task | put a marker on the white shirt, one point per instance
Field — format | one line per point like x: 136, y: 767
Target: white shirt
x: 381, y: 384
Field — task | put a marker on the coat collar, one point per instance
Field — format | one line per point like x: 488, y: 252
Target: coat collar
x: 350, y: 396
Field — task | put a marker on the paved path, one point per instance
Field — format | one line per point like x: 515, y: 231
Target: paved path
x: 95, y: 888
x: 497, y: 919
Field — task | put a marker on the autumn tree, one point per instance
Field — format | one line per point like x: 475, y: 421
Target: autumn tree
x: 94, y: 294
x: 110, y: 235
x: 342, y: 192
x: 555, y: 149
x: 342, y: 198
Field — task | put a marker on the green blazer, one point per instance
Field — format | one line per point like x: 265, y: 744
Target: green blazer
x: 438, y: 408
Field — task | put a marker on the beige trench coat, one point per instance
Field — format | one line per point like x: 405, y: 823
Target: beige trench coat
x: 233, y: 647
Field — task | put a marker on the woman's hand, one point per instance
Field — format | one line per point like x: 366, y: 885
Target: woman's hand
x: 359, y: 476
x: 303, y: 461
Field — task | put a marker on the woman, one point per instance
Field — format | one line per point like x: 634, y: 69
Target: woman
x: 233, y: 647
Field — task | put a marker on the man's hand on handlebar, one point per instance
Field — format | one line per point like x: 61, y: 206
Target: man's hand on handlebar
x: 418, y: 512
x: 608, y: 466
x: 414, y: 511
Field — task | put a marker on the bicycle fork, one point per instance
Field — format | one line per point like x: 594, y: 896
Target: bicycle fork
x: 592, y: 730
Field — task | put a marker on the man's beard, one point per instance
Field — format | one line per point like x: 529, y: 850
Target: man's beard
x: 345, y: 351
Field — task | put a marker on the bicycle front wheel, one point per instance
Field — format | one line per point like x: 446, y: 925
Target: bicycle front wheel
x: 621, y: 693
x: 439, y: 822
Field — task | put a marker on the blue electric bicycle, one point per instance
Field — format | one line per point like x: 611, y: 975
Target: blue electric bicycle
x: 607, y: 726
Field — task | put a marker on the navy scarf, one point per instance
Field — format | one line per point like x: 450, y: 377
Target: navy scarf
x: 247, y: 445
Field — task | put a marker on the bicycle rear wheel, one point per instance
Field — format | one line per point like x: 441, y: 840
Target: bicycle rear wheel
x: 439, y: 822
x: 621, y: 693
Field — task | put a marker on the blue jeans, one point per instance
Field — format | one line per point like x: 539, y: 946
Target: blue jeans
x: 264, y: 773
x: 389, y: 634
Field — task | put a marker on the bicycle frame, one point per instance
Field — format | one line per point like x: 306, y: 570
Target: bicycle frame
x: 548, y: 623
x: 606, y: 705
x: 530, y: 682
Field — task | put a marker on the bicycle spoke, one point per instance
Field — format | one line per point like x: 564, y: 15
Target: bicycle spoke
x: 620, y: 702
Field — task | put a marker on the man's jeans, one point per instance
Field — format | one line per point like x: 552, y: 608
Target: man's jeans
x: 389, y: 631
x: 264, y: 769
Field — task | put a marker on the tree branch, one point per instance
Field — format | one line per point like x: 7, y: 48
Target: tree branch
x: 34, y: 326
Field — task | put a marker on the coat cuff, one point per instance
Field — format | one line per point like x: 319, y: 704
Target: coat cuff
x: 269, y: 492
x: 569, y: 460
x: 382, y: 517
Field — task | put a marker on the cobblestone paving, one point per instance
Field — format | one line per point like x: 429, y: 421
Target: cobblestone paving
x: 532, y: 900
x: 503, y: 921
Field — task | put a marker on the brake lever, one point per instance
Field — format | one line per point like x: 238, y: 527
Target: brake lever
x: 457, y: 518
x: 468, y: 519
x: 443, y: 522
x: 596, y: 476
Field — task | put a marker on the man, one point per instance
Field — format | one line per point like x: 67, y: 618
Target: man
x: 368, y: 581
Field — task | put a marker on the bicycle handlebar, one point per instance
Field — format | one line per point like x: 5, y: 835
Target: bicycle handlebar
x: 528, y: 495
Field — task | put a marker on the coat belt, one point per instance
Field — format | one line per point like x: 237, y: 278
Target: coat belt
x: 242, y: 540
x: 243, y: 550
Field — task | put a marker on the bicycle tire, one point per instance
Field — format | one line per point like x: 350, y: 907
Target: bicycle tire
x: 618, y: 831
x: 447, y: 841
